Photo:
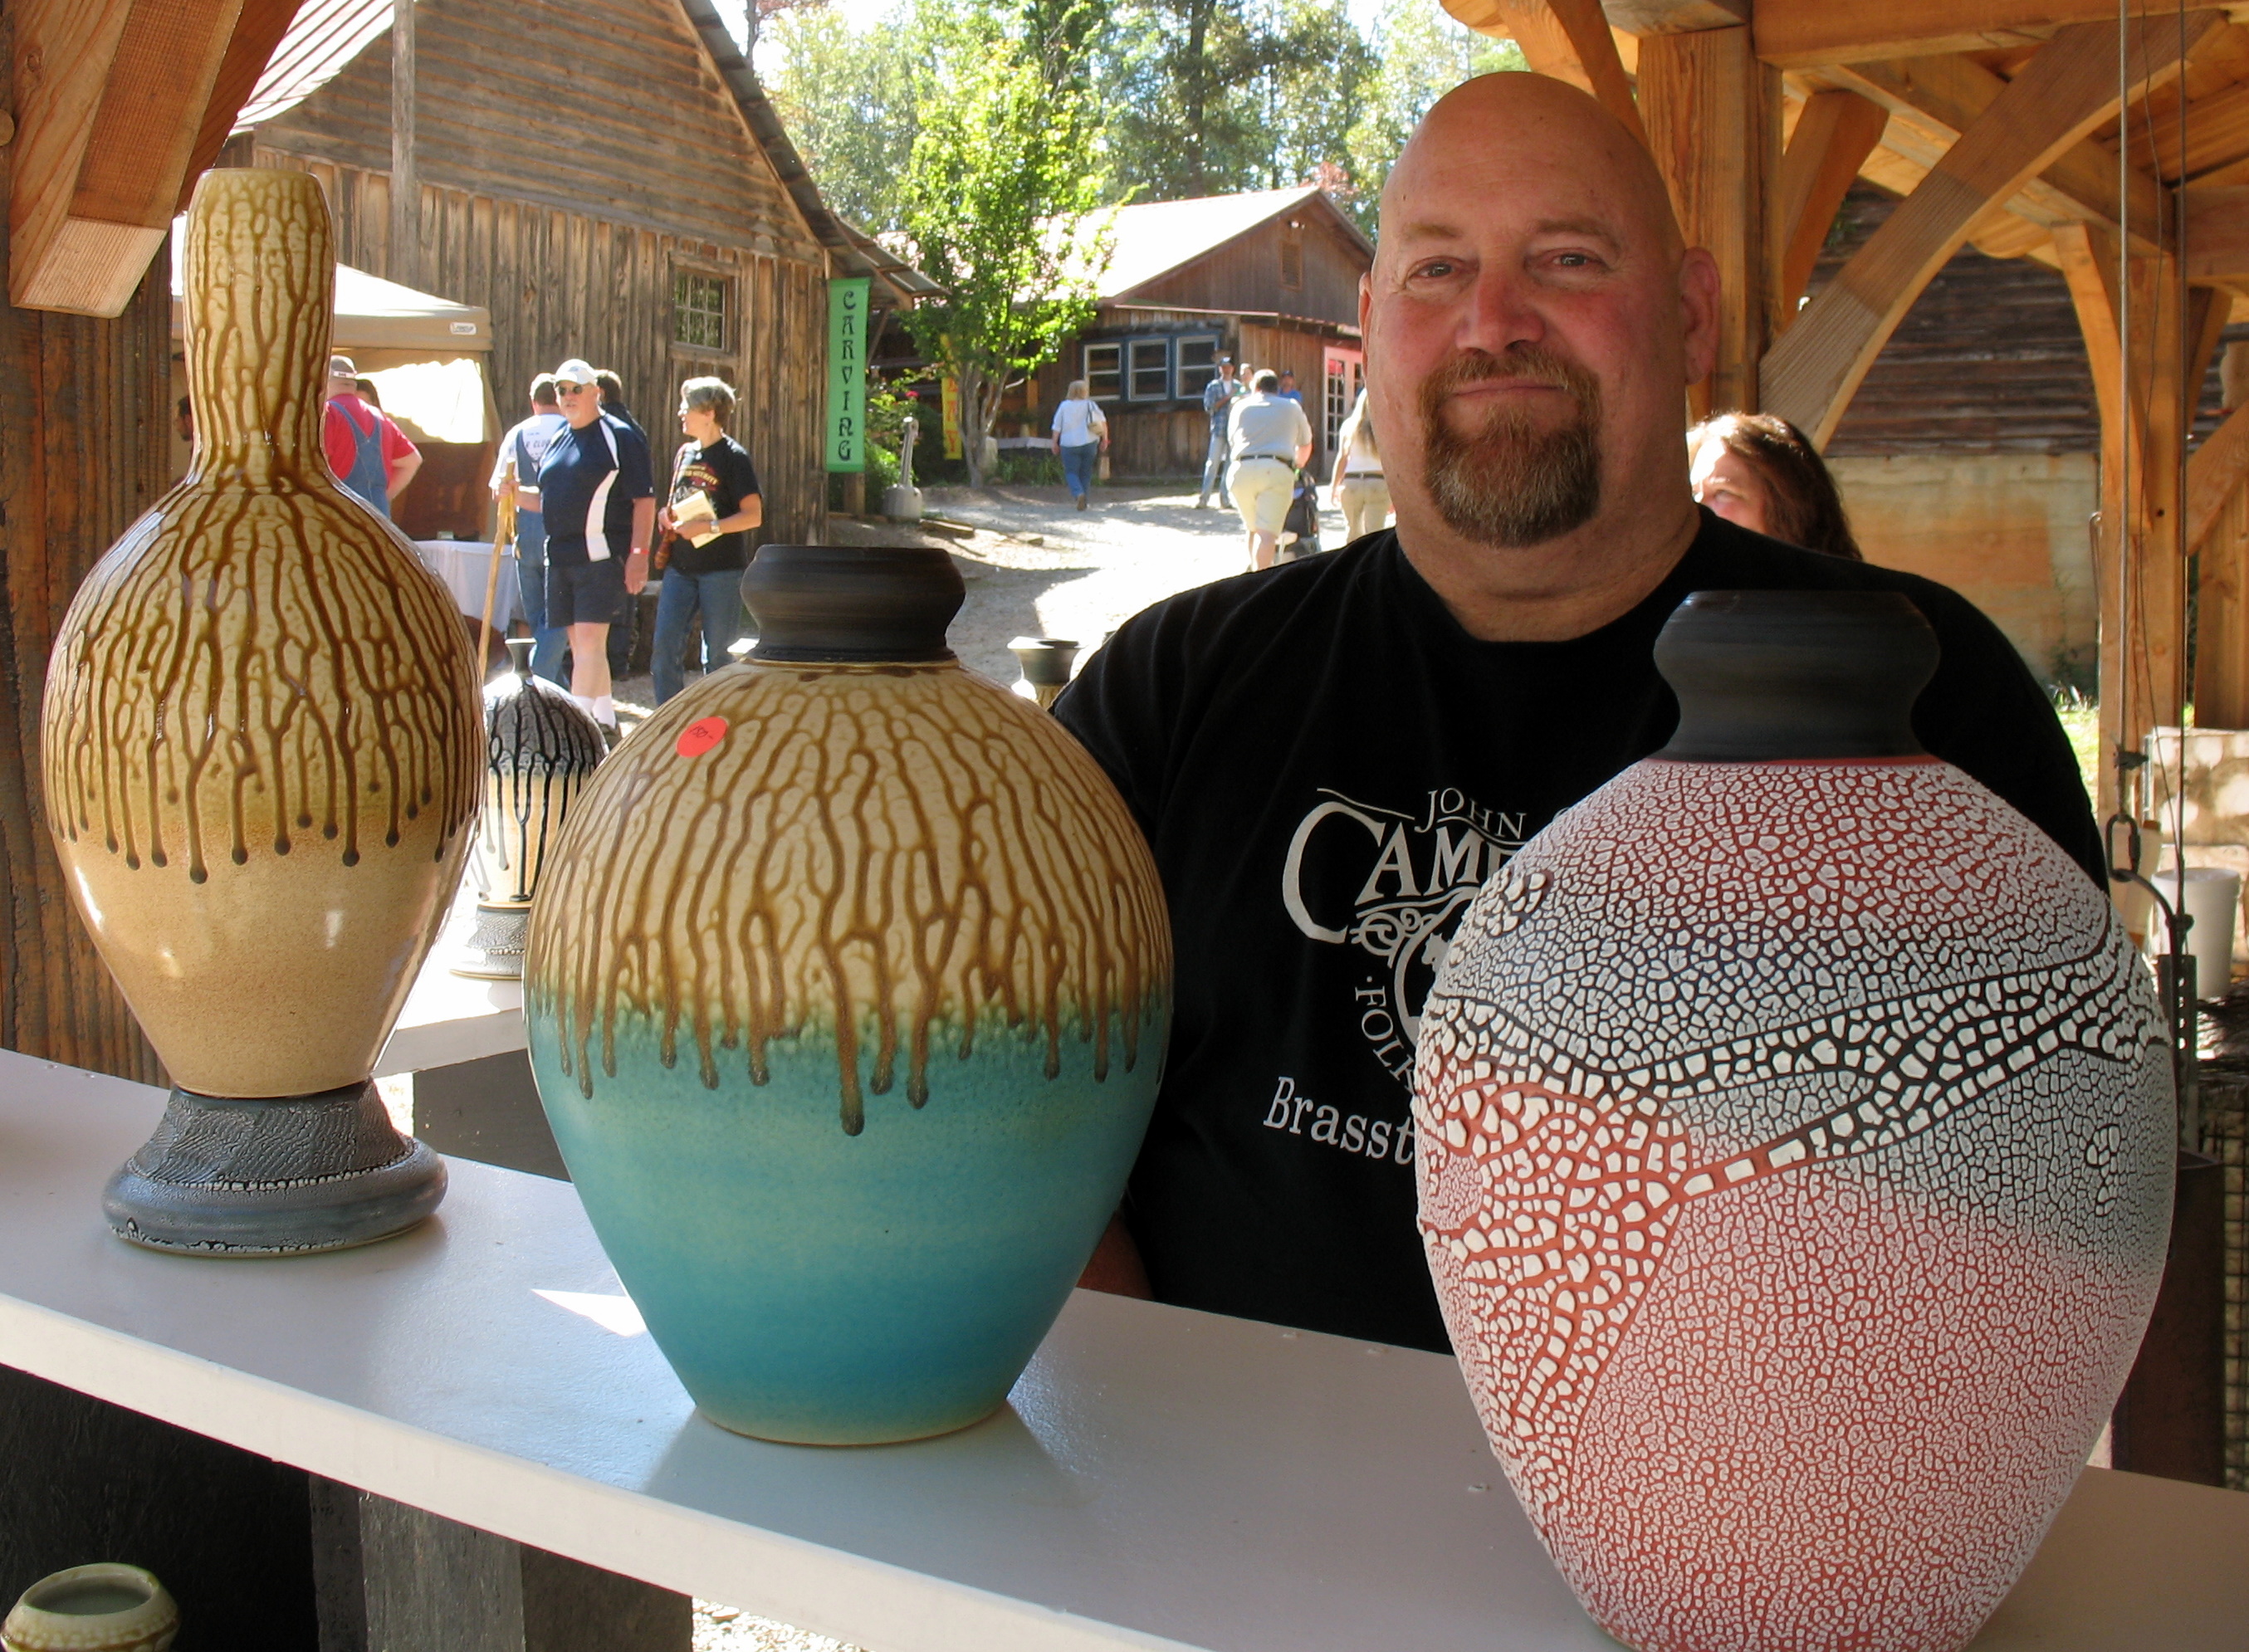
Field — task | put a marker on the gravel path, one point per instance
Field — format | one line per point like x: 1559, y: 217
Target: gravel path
x: 1035, y: 566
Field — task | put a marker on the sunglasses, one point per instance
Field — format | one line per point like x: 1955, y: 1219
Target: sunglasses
x: 561, y: 388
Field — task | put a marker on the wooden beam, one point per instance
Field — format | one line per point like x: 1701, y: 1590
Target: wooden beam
x: 257, y: 33
x: 2221, y: 653
x: 118, y: 104
x: 1943, y: 96
x: 1568, y: 39
x: 2069, y: 88
x: 1674, y: 17
x: 1834, y: 136
x: 2216, y: 233
x: 404, y: 260
x: 2142, y: 380
x: 1713, y: 115
x: 2214, y: 472
x: 1805, y: 34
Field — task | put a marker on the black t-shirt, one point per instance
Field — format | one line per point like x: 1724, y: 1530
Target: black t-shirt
x: 722, y: 469
x: 1327, y: 766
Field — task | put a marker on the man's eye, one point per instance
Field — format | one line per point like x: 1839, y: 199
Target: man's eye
x: 1574, y: 260
x: 1438, y: 268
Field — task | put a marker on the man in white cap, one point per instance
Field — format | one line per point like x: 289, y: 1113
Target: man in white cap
x: 596, y: 497
x: 369, y: 454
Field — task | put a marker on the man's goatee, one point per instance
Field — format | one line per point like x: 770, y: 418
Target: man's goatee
x: 1507, y: 483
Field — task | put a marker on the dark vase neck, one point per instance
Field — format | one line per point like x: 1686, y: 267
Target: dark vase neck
x: 838, y: 604
x: 1767, y: 676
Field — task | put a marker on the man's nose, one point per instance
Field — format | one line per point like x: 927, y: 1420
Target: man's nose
x: 1501, y: 311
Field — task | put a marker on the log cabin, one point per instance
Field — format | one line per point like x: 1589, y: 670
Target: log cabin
x: 606, y: 177
x: 1270, y: 277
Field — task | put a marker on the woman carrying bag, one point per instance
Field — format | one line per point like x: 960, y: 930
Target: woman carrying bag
x: 1081, y: 436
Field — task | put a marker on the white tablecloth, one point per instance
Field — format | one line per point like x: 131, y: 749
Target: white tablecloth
x: 463, y: 564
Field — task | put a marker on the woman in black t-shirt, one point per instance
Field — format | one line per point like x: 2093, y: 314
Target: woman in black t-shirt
x: 712, y: 505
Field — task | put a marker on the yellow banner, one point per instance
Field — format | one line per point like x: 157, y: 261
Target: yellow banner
x: 952, y: 418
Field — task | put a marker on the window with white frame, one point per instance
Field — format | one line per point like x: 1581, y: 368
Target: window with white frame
x: 1151, y: 365
x: 1104, y: 371
x: 1197, y: 366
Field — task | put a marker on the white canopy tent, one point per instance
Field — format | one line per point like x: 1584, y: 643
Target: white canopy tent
x: 427, y: 357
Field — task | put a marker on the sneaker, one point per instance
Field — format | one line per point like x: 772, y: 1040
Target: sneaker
x: 1202, y: 504
x: 1081, y: 501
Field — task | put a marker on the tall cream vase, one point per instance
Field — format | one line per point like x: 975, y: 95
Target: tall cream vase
x: 262, y: 755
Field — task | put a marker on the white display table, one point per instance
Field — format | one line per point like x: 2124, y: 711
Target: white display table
x: 1162, y: 1478
x: 463, y: 565
x: 450, y: 1018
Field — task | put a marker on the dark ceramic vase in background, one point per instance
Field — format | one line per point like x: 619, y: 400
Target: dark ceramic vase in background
x: 540, y: 747
x: 260, y: 742
x: 1794, y: 1135
x: 847, y: 997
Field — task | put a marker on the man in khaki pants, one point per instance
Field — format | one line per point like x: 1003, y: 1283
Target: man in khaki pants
x: 1270, y: 438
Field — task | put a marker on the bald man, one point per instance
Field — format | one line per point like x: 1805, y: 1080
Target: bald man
x: 1330, y: 757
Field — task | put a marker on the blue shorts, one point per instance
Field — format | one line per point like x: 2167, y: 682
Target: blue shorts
x: 585, y: 593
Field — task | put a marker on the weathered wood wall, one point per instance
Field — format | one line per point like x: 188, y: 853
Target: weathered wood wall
x: 572, y: 157
x: 83, y: 426
x: 1245, y: 273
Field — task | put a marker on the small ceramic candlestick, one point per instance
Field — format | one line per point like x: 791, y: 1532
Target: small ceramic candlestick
x: 540, y: 747
x: 1045, y: 663
x: 104, y: 1607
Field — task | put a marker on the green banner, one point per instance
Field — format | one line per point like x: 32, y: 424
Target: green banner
x: 847, y: 372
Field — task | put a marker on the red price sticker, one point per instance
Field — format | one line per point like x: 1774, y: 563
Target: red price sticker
x: 699, y: 737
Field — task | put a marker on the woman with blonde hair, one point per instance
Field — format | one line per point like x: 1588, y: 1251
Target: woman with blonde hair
x: 1081, y: 433
x: 1358, y: 487
x: 1763, y: 473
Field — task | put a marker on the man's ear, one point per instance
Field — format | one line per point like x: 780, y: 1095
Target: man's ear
x: 1698, y: 309
x: 1365, y: 304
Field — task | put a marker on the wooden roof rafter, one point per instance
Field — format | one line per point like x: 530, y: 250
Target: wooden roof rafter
x: 85, y: 217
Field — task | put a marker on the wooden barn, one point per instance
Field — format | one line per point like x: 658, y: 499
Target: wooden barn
x: 1270, y: 277
x: 605, y: 177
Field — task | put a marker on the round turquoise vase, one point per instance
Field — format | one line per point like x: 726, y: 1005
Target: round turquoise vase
x: 847, y: 996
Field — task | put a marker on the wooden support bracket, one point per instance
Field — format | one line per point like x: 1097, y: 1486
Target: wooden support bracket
x: 1943, y: 96
x: 1567, y: 39
x: 1808, y: 34
x: 116, y: 101
x: 1834, y: 136
x: 2065, y: 90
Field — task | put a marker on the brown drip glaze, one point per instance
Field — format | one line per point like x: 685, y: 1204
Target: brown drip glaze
x: 329, y: 700
x: 876, y: 849
x: 262, y: 750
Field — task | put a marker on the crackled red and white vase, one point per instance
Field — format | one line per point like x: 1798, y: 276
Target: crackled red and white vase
x: 1795, y: 1144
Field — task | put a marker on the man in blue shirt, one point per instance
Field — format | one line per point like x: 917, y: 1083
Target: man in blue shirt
x: 597, y: 498
x: 1217, y: 396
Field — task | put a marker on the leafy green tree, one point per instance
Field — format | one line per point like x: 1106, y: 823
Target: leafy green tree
x: 999, y: 203
x: 1421, y: 54
x: 850, y: 98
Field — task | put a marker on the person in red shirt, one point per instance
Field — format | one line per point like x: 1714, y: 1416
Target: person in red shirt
x: 370, y: 455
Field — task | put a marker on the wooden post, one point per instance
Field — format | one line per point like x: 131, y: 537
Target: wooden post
x: 2221, y: 647
x: 83, y: 415
x: 2144, y: 406
x: 405, y: 182
x: 1713, y: 117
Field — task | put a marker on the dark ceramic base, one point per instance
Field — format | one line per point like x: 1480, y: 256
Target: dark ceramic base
x: 273, y: 1177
